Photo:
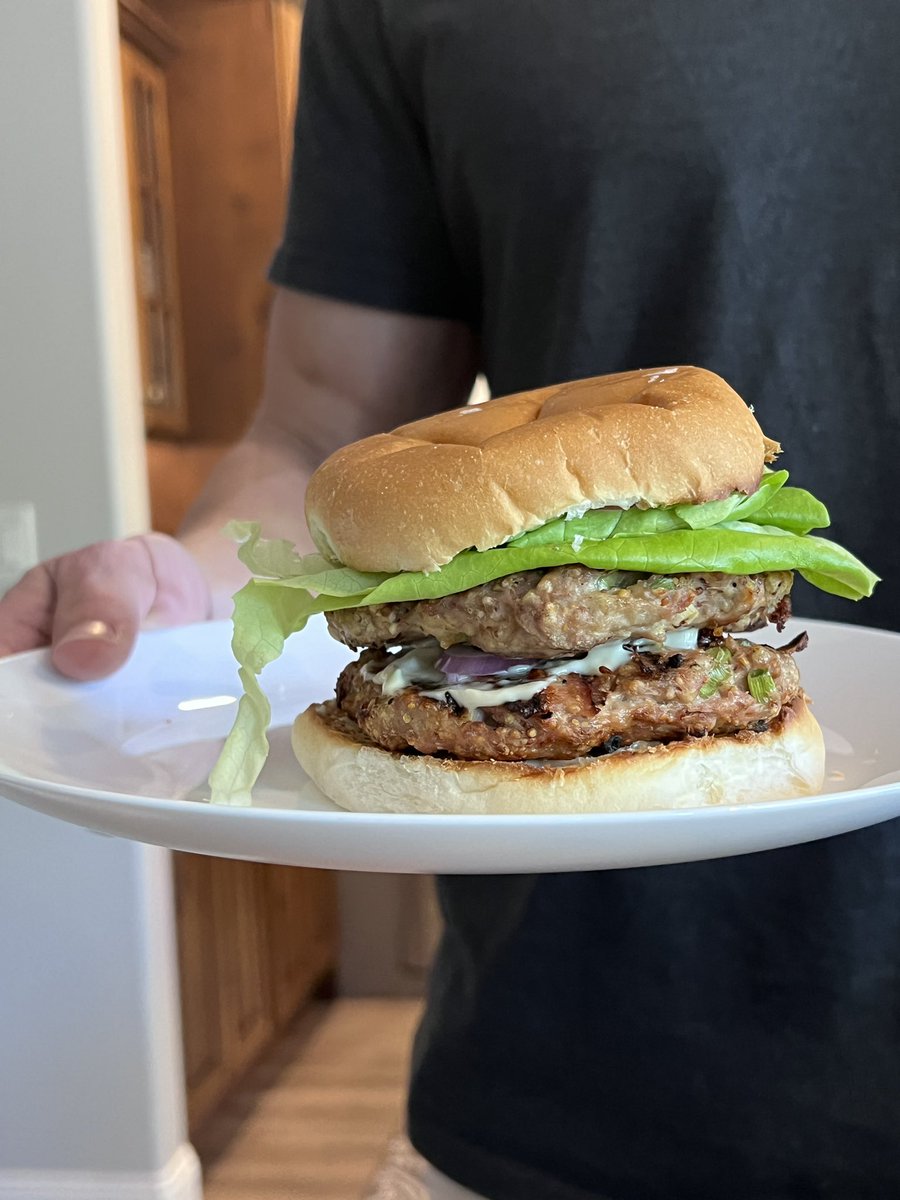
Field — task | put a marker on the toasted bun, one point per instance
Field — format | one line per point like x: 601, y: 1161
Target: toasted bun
x: 412, y: 499
x: 786, y: 761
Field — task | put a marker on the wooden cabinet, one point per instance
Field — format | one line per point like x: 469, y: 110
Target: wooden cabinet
x: 207, y: 1072
x: 255, y: 943
x: 153, y: 233
x: 302, y: 910
x: 219, y: 79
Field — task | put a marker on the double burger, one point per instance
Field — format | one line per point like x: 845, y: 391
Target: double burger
x: 551, y: 593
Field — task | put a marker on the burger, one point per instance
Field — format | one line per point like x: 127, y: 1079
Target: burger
x: 551, y: 593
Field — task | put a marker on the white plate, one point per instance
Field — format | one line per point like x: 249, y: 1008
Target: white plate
x: 129, y: 756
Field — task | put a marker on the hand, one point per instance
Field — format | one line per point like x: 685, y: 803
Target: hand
x: 90, y: 604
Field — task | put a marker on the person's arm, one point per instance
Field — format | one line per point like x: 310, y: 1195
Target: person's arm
x: 334, y: 372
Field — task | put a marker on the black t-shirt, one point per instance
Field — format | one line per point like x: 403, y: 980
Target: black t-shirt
x: 597, y: 185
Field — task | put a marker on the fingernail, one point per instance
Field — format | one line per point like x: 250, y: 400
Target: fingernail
x: 89, y: 631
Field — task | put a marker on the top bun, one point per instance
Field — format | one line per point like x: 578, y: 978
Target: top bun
x: 412, y: 499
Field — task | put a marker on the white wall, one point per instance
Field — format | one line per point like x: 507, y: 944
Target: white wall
x: 91, y: 1095
x: 70, y: 435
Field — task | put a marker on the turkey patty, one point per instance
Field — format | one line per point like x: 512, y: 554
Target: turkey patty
x: 568, y: 610
x: 654, y: 697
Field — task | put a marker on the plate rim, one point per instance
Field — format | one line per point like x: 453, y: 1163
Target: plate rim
x: 170, y: 804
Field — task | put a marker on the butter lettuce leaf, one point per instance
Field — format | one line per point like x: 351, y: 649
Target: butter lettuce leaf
x: 264, y: 617
x: 793, y: 509
x: 771, y: 504
x: 734, y: 507
x: 276, y: 558
x: 737, y: 548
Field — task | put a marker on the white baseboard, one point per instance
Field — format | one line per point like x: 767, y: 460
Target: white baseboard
x: 180, y: 1179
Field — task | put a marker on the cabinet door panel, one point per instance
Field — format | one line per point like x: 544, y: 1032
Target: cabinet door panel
x: 205, y: 1063
x: 153, y: 231
x: 223, y: 957
x: 302, y: 929
x: 243, y: 958
x: 254, y: 942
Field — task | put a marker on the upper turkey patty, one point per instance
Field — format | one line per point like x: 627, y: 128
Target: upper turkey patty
x: 568, y: 610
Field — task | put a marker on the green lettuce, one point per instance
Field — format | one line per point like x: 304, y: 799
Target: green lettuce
x: 769, y: 530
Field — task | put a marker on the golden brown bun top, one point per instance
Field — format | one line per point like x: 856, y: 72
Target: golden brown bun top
x: 412, y: 499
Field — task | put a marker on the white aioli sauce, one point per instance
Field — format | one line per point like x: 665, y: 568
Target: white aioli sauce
x: 418, y: 666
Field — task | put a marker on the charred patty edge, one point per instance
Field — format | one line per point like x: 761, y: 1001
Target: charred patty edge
x: 343, y: 723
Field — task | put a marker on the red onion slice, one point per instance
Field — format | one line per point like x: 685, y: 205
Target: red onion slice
x: 464, y: 662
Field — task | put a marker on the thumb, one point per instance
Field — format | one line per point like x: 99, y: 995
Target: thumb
x: 105, y: 591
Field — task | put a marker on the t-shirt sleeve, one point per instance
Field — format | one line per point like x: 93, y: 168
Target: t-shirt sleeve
x: 364, y: 222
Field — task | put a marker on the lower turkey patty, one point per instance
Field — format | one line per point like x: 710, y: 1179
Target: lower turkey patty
x: 655, y: 697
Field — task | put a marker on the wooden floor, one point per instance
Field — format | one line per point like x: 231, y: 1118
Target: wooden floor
x: 313, y: 1120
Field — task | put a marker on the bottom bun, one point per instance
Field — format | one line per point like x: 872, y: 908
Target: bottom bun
x: 787, y: 760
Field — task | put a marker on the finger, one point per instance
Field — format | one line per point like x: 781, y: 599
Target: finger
x: 26, y: 612
x: 182, y: 592
x: 103, y: 593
